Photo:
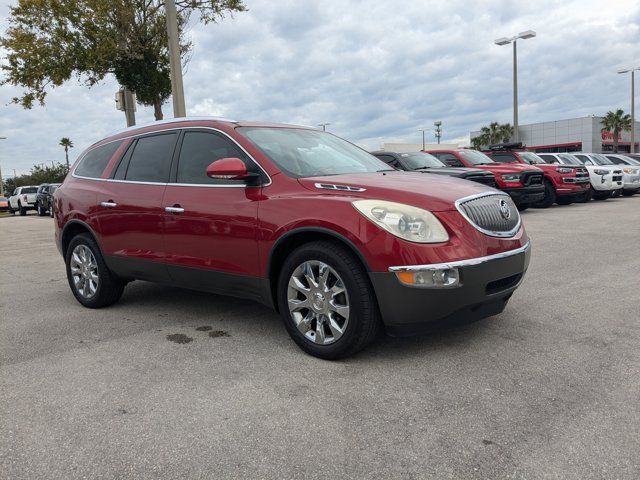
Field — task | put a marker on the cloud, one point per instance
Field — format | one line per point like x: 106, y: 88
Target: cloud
x: 376, y: 70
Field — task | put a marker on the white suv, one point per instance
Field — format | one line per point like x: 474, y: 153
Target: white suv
x: 630, y: 172
x: 605, y: 179
x: 23, y: 199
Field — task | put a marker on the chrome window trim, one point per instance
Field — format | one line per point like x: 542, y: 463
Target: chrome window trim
x: 338, y: 188
x: 462, y: 263
x: 269, y: 181
x: 490, y: 233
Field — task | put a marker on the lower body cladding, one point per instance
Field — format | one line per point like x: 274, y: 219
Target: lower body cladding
x: 526, y: 195
x: 422, y: 298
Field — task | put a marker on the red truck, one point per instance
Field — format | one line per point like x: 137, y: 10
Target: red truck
x: 563, y: 184
x: 523, y: 183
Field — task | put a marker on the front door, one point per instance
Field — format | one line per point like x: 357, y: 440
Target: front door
x: 211, y: 225
x: 131, y: 216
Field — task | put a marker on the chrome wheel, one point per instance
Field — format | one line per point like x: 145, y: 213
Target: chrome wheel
x: 84, y: 271
x: 318, y: 302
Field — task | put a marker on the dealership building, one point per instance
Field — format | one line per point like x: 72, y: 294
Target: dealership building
x: 573, y: 135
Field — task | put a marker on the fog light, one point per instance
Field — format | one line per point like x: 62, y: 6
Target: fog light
x: 430, y: 278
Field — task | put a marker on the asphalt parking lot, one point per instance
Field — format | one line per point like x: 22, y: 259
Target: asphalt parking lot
x: 175, y: 384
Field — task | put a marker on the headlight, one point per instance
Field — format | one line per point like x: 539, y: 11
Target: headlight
x: 601, y: 172
x: 564, y: 170
x: 511, y: 177
x: 630, y: 171
x: 404, y: 221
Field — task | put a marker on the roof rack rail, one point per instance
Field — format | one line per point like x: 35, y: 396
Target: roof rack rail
x: 170, y: 120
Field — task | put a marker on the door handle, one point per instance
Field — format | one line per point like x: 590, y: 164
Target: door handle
x: 174, y: 209
x: 109, y: 204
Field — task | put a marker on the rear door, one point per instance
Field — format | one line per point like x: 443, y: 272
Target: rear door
x: 130, y: 210
x: 210, y: 224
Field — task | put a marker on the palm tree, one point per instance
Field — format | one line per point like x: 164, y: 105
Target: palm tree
x: 492, y: 134
x: 67, y: 144
x: 506, y: 132
x: 616, y: 122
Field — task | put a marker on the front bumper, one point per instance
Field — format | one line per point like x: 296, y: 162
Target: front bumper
x: 631, y: 183
x: 605, y: 182
x: 526, y: 195
x: 486, y: 284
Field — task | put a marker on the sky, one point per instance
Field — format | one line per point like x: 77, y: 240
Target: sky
x: 376, y: 70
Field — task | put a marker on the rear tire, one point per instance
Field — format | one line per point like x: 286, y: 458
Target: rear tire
x: 307, y: 325
x: 108, y: 287
x: 549, y: 196
x: 41, y: 212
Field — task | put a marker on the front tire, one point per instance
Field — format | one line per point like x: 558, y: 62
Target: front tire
x: 522, y: 207
x: 91, y: 281
x: 549, y: 196
x: 22, y: 210
x: 601, y: 195
x: 326, y: 300
x: 41, y: 211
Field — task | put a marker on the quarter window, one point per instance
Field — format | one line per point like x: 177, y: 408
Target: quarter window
x: 151, y: 159
x: 95, y: 161
x: 199, y: 150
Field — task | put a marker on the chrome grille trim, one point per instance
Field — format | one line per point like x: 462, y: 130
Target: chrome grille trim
x: 486, y: 218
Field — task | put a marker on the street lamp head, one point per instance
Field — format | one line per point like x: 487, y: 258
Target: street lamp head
x: 438, y: 123
x: 527, y: 34
x: 502, y: 41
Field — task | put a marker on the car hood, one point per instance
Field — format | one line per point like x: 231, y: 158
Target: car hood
x: 431, y: 192
x: 508, y: 168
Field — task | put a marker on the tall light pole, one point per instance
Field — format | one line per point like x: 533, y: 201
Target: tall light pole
x: 633, y: 106
x: 423, y: 130
x: 1, y: 180
x: 177, y: 89
x: 438, y: 133
x: 506, y: 41
x: 324, y: 126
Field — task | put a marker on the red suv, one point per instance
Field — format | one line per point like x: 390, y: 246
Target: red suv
x: 523, y: 183
x: 292, y: 217
x: 563, y: 184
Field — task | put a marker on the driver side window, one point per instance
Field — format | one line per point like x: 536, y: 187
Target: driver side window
x: 199, y: 149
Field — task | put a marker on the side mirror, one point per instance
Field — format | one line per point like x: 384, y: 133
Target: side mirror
x: 229, y: 169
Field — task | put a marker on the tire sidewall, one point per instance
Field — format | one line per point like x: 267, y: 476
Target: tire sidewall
x: 103, y: 273
x: 346, y: 342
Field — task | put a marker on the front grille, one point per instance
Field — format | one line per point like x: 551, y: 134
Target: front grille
x: 617, y: 178
x: 493, y: 214
x: 489, y: 180
x: 503, y: 284
x: 532, y: 178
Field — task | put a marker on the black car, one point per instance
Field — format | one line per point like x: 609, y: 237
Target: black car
x: 44, y: 198
x: 424, y: 162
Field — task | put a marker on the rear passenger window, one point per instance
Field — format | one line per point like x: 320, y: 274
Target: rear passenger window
x: 151, y: 159
x: 199, y: 150
x: 95, y: 161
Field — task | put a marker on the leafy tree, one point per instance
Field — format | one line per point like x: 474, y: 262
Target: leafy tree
x: 38, y: 174
x: 491, y: 134
x: 616, y: 122
x: 67, y: 144
x: 48, y: 42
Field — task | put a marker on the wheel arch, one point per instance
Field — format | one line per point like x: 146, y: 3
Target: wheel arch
x: 72, y: 229
x: 295, y: 238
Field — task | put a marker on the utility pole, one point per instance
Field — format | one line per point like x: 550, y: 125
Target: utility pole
x: 506, y: 41
x: 1, y: 180
x: 177, y: 89
x: 126, y: 102
x: 423, y: 130
x: 438, y: 133
x: 324, y: 126
x: 633, y: 105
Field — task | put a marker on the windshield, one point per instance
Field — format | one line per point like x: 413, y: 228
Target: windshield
x: 475, y: 157
x: 419, y: 160
x: 600, y: 159
x: 29, y: 190
x: 569, y: 159
x: 531, y: 158
x: 303, y: 153
x: 631, y: 160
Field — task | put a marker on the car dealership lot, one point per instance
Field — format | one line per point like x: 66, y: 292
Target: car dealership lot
x: 170, y: 383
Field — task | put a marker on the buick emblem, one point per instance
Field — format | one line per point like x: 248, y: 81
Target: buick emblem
x: 505, y: 211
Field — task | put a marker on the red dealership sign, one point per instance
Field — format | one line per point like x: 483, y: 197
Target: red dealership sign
x: 607, y: 136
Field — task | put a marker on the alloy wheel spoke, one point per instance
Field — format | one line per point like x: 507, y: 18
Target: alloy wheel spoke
x: 296, y: 305
x: 296, y: 284
x: 320, y: 336
x: 336, y: 330
x: 342, y: 310
x: 304, y: 325
x: 309, y: 275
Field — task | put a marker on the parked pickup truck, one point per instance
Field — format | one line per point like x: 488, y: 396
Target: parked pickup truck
x: 426, y: 163
x: 523, y: 183
x: 23, y: 199
x: 563, y: 184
